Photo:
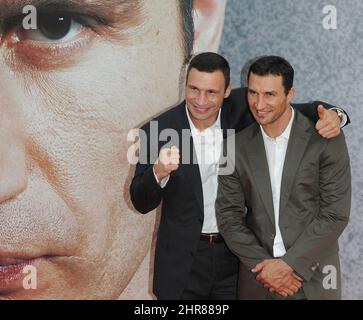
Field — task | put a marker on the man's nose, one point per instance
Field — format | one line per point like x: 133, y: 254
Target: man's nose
x: 202, y: 98
x: 13, y: 170
x: 260, y: 103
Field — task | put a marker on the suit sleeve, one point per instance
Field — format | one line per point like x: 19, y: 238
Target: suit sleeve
x: 145, y: 192
x: 231, y: 219
x: 310, y: 110
x: 335, y: 199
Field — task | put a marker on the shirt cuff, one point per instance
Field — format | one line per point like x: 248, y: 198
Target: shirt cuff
x: 163, y: 182
x: 343, y: 117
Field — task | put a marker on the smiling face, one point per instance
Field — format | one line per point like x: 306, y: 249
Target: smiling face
x: 69, y: 93
x: 205, y: 92
x: 269, y: 102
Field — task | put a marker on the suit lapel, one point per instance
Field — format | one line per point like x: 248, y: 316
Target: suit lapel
x: 224, y: 120
x: 193, y: 177
x: 260, y: 171
x: 191, y: 168
x: 298, y: 141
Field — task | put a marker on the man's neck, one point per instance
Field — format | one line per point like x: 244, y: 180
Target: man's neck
x: 202, y: 125
x: 275, y: 129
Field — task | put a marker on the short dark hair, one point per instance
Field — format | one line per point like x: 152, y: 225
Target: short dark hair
x: 210, y: 62
x: 187, y: 25
x: 274, y: 65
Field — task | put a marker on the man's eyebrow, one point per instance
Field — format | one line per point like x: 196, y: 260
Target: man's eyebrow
x: 114, y: 10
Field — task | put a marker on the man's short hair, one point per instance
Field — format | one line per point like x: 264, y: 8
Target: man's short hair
x: 211, y: 62
x: 187, y: 24
x: 274, y: 65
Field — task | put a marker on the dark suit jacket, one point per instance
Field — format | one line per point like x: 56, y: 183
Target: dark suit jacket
x: 182, y: 198
x: 314, y: 206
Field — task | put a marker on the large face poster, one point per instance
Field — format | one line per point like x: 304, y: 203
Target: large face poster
x: 72, y: 88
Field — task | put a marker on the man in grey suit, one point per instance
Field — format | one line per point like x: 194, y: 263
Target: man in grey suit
x: 287, y: 201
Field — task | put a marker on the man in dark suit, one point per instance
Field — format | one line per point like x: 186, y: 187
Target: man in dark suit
x: 177, y: 166
x: 287, y: 200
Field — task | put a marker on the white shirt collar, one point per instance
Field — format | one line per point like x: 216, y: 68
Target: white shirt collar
x: 286, y: 133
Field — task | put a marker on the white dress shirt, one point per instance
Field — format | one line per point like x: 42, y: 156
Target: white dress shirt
x: 276, y: 152
x: 208, y: 146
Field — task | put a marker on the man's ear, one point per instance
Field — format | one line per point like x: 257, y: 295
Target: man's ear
x: 228, y: 91
x: 208, y: 18
x: 291, y: 94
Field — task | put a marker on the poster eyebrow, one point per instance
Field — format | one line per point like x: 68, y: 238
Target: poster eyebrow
x: 114, y: 9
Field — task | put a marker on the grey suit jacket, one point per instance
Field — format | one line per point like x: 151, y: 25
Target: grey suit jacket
x: 314, y: 207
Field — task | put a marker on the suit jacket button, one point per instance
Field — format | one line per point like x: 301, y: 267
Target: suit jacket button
x: 272, y: 236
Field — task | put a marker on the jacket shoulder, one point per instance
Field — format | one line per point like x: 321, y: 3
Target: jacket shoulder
x: 247, y: 133
x: 241, y: 138
x: 167, y: 118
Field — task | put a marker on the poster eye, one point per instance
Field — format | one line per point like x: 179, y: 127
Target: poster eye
x: 55, y: 26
